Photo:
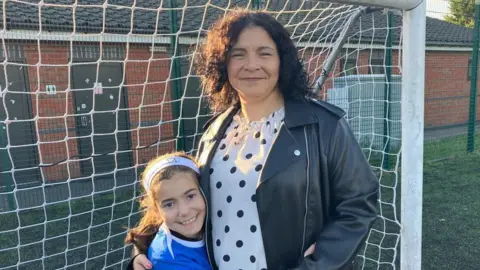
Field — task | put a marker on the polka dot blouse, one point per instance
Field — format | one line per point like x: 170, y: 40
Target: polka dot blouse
x: 235, y: 173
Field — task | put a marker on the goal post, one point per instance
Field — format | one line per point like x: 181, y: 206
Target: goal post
x: 91, y: 91
x: 412, y: 118
x: 413, y: 93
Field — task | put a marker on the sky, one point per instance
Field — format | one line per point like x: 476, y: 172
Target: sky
x: 437, y: 8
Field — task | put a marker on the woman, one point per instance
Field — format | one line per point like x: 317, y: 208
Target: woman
x: 281, y: 171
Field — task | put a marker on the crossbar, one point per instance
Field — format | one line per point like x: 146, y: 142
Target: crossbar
x: 397, y: 4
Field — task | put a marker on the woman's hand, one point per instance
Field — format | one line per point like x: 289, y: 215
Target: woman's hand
x: 140, y: 262
x: 309, y: 251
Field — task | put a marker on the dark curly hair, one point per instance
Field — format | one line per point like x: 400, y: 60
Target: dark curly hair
x: 211, y: 62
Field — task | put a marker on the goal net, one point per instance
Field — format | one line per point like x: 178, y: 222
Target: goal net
x: 91, y: 90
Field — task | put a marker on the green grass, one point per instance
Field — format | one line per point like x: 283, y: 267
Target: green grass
x: 89, y: 237
x: 435, y: 150
x: 451, y: 209
x: 380, y: 251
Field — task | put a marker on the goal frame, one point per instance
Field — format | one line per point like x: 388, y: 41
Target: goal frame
x: 412, y: 119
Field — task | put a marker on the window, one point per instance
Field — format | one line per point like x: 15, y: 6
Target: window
x: 376, y: 66
x: 349, y: 66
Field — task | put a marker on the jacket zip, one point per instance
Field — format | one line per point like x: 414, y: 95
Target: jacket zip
x: 306, y: 191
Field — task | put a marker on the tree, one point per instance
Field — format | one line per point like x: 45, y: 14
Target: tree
x: 462, y: 12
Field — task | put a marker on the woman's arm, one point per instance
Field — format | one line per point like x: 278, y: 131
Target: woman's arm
x: 139, y: 261
x: 140, y: 242
x: 354, y: 194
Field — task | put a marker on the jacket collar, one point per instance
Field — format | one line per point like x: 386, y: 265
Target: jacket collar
x: 297, y: 113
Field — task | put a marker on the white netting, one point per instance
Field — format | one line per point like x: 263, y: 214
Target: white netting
x: 91, y: 90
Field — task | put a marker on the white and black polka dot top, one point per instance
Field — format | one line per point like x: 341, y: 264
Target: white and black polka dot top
x: 235, y: 173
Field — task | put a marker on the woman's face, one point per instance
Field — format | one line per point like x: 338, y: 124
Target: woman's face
x: 254, y: 65
x: 181, y: 204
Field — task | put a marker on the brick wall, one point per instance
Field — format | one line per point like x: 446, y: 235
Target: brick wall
x: 56, y: 139
x: 149, y: 94
x: 146, y: 76
x: 447, y: 89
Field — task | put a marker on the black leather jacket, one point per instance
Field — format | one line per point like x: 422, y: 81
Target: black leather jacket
x: 316, y: 187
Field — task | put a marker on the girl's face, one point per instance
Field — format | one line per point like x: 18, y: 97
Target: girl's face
x: 180, y: 204
x: 254, y: 65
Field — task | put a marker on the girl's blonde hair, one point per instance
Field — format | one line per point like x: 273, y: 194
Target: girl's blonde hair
x: 142, y: 235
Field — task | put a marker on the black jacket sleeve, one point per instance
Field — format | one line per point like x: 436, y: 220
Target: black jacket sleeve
x: 353, y: 200
x: 130, y: 263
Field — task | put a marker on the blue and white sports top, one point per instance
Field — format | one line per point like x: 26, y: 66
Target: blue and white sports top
x: 168, y: 252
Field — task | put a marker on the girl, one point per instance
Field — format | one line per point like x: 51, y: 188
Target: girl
x: 174, y: 216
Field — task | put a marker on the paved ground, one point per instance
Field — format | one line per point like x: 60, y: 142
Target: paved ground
x: 440, y: 133
x: 37, y: 195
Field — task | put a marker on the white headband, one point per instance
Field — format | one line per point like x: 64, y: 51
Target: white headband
x: 174, y: 161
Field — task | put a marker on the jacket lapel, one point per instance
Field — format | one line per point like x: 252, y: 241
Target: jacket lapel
x: 209, y: 145
x: 285, y: 151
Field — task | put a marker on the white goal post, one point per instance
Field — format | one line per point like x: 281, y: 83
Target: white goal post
x: 412, y: 118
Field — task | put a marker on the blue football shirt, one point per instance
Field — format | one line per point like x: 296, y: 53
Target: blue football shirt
x: 168, y: 252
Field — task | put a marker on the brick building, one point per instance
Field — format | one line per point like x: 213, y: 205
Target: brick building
x: 107, y: 92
